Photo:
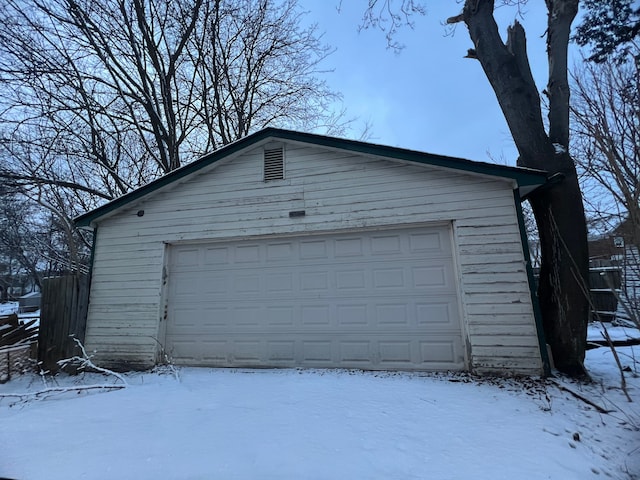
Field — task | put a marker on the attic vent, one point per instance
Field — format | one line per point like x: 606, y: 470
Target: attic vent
x: 274, y: 164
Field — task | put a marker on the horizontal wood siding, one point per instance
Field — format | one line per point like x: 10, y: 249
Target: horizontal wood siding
x: 338, y: 191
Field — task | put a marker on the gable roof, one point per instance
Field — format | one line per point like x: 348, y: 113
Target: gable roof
x: 526, y: 179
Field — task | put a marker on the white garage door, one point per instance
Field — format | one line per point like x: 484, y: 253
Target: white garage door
x: 373, y: 300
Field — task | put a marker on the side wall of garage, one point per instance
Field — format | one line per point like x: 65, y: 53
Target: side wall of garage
x: 338, y: 191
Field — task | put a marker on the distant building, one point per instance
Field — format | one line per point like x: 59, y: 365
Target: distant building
x: 30, y: 302
x: 619, y: 247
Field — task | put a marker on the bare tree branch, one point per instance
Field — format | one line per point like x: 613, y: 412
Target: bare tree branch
x: 103, y: 96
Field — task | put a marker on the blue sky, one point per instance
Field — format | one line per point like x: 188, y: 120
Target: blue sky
x: 428, y: 97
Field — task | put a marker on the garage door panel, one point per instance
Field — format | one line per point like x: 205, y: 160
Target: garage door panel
x: 186, y: 349
x: 247, y: 316
x: 437, y: 316
x: 281, y: 351
x: 213, y: 318
x: 313, y: 249
x: 357, y: 352
x: 279, y: 316
x: 187, y: 257
x: 351, y: 351
x: 185, y: 287
x: 432, y: 242
x: 314, y: 281
x: 216, y: 285
x: 352, y: 315
x: 348, y: 247
x: 315, y: 315
x: 276, y: 252
x: 187, y: 319
x: 247, y: 352
x: 216, y: 256
x: 375, y: 300
x: 351, y: 280
x: 279, y: 283
x: 386, y: 244
x: 212, y: 352
x: 386, y: 278
x: 430, y: 277
x: 391, y: 314
x: 247, y: 284
x: 317, y: 353
x: 435, y: 351
x: 395, y: 352
x: 247, y: 254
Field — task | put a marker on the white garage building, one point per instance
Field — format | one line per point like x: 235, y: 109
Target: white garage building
x: 287, y: 249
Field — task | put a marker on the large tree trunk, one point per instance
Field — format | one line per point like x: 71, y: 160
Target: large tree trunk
x: 558, y: 208
x: 563, y: 287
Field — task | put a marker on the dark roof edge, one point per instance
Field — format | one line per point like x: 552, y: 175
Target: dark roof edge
x: 523, y: 176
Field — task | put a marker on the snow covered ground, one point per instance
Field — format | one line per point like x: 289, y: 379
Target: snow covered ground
x: 616, y: 332
x: 7, y: 308
x: 28, y: 316
x: 313, y: 424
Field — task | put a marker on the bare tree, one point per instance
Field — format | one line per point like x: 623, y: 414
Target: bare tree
x: 605, y: 118
x: 32, y: 244
x: 260, y: 69
x: 102, y: 96
x: 558, y: 208
x: 137, y: 85
x: 605, y: 115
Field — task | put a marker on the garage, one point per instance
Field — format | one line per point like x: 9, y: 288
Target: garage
x: 289, y: 249
x: 378, y: 299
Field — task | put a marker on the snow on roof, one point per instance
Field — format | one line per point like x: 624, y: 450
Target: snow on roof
x: 31, y: 295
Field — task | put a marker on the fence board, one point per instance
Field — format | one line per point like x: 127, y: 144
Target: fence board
x: 62, y: 317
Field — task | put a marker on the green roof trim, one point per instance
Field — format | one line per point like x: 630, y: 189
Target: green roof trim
x: 537, y: 312
x: 528, y: 179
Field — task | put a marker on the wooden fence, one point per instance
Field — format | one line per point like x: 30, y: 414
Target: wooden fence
x: 63, y: 317
x: 604, y: 275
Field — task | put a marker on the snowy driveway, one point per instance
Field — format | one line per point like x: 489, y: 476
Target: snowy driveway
x: 288, y: 424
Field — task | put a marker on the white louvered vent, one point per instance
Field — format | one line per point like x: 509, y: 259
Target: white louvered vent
x: 273, y: 164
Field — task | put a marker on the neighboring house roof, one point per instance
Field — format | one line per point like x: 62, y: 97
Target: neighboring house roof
x: 627, y: 229
x: 605, y: 245
x: 526, y: 179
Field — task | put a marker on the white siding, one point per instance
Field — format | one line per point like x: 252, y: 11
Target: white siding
x: 338, y: 191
